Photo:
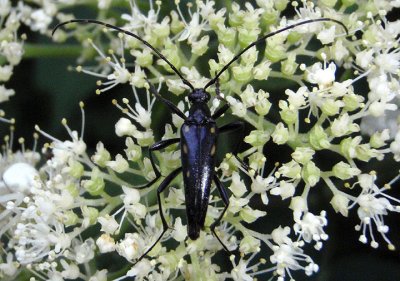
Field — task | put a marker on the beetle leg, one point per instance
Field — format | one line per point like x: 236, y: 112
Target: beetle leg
x: 154, y: 147
x: 172, y: 107
x: 236, y: 125
x: 160, y: 189
x: 225, y: 199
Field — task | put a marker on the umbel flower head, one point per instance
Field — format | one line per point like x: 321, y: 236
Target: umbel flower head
x: 338, y: 96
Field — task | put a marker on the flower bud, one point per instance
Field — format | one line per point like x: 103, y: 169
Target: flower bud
x: 95, y: 185
x: 124, y: 127
x: 318, y: 138
x: 379, y: 139
x: 250, y: 215
x: 120, y: 165
x: 133, y: 151
x: 247, y: 36
x: 344, y: 171
x: 101, y: 156
x: 257, y: 138
x: 303, y: 155
x: 289, y: 66
x: 281, y: 134
x: 90, y: 213
x: 201, y: 46
x: 311, y: 174
x: 249, y: 244
x: 262, y: 70
x: 340, y: 204
x: 331, y: 107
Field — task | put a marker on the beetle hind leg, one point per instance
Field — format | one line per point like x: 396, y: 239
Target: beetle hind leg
x: 160, y: 189
x: 225, y: 199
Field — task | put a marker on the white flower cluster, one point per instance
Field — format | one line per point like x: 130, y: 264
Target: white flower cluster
x: 49, y: 207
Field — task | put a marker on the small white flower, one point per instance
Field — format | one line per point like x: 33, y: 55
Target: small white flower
x: 124, y: 127
x: 108, y: 224
x: 20, y: 177
x: 323, y: 76
x: 327, y: 36
x: 40, y: 21
x: 105, y: 243
x: 5, y: 93
x: 120, y: 165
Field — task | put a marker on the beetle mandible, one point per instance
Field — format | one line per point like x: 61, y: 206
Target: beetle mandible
x: 198, y: 141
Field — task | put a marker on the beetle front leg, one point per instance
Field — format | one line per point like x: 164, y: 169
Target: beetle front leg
x: 225, y: 199
x: 157, y: 146
x: 160, y: 189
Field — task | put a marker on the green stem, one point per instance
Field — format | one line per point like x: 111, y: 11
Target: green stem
x: 52, y: 50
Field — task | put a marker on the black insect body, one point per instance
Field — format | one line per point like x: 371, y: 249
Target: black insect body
x: 198, y: 141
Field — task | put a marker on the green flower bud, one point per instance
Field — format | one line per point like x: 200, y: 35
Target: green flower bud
x: 72, y: 189
x: 379, y: 139
x: 303, y: 155
x: 246, y: 36
x: 257, y: 138
x: 281, y: 134
x: 263, y: 105
x: 344, y: 171
x: 262, y: 70
x: 133, y: 151
x: 102, y: 156
x: 236, y: 16
x: 95, y: 185
x: 352, y: 102
x: 70, y: 218
x: 275, y: 53
x: 144, y: 58
x: 289, y: 116
x: 269, y: 17
x: 176, y: 24
x: 90, y: 213
x: 161, y: 30
x: 291, y: 169
x: 294, y: 37
x: 227, y: 36
x: 289, y: 66
x: 242, y: 74
x: 145, y: 138
x: 76, y: 169
x: 249, y: 244
x: 331, y: 107
x: 201, y: 46
x: 318, y: 138
x: 329, y: 3
x: 364, y: 152
x: 171, y: 52
x: 250, y: 215
x: 281, y: 5
x: 347, y: 147
x: 311, y: 174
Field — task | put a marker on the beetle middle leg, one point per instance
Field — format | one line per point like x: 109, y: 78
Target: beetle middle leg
x: 157, y: 146
x: 160, y: 189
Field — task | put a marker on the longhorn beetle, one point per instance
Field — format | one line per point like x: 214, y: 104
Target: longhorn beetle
x: 199, y: 134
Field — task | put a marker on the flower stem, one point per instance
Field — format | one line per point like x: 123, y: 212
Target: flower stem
x: 51, y: 51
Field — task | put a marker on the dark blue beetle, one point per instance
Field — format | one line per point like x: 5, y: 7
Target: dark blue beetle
x: 198, y: 141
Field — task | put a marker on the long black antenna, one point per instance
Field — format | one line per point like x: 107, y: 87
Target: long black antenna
x: 161, y: 56
x: 212, y: 81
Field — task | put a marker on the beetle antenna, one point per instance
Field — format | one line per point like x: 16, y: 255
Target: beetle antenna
x: 158, y: 53
x: 212, y: 81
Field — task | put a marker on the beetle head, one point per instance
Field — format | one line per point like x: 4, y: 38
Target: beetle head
x: 199, y: 96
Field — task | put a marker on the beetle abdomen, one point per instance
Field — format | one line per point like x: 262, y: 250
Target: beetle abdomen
x: 198, y: 146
